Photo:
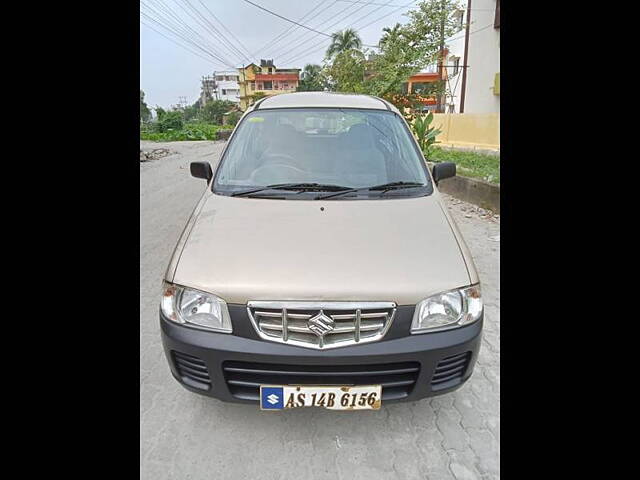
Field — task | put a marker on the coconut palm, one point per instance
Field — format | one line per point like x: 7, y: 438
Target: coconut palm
x: 311, y: 78
x: 342, y: 41
x: 390, y: 35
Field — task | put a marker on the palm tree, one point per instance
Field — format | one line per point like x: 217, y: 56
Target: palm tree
x: 311, y: 79
x: 342, y: 41
x: 390, y: 34
x: 310, y: 71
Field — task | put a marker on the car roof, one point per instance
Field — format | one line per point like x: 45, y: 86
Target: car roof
x: 323, y: 100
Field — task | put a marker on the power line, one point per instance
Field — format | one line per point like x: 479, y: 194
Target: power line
x: 211, y: 29
x: 293, y: 59
x: 185, y: 38
x: 293, y: 21
x: 299, y: 54
x: 290, y: 51
x: 179, y: 24
x: 177, y: 43
x: 229, y: 31
x: 279, y: 37
x: 396, y: 5
x: 181, y: 30
x: 298, y: 40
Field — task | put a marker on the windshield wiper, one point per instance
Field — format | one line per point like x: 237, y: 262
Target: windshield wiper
x: 384, y: 187
x: 303, y: 187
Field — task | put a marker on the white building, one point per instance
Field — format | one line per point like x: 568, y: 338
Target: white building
x: 482, y: 92
x: 226, y: 87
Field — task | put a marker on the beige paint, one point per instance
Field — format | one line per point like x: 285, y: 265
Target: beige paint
x: 480, y: 130
x: 398, y: 250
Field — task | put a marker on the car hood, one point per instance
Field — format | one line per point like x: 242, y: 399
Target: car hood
x: 397, y: 250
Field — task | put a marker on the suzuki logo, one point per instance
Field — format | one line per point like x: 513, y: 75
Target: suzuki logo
x: 273, y: 399
x: 320, y: 324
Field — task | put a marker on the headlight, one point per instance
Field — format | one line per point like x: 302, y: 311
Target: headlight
x: 189, y: 306
x: 446, y: 310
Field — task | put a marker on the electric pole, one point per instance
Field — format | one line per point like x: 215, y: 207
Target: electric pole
x: 441, y: 62
x: 466, y: 56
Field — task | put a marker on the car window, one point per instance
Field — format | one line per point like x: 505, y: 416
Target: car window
x: 347, y: 147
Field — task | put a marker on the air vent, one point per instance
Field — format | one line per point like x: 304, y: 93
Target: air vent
x: 450, y: 371
x: 244, y: 378
x: 192, y: 370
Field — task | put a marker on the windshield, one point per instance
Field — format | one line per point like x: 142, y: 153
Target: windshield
x: 326, y: 148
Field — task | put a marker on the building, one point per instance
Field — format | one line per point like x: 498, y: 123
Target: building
x: 265, y: 80
x: 226, y: 86
x: 420, y: 83
x: 482, y: 86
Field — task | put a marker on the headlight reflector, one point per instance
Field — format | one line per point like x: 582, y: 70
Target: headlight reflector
x: 188, y: 306
x: 446, y: 310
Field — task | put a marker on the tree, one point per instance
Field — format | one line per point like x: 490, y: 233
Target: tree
x: 343, y: 41
x: 406, y: 49
x: 256, y: 96
x: 347, y: 72
x: 145, y: 113
x: 171, y: 120
x: 214, y: 109
x: 311, y: 79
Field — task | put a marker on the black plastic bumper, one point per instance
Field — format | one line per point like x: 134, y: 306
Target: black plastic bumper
x: 398, y: 347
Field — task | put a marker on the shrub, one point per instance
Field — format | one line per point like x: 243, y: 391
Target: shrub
x: 425, y: 134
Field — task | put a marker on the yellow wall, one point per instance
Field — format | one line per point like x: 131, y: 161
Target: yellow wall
x: 480, y: 130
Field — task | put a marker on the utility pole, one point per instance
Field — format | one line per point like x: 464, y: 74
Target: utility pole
x: 466, y: 56
x: 439, y: 107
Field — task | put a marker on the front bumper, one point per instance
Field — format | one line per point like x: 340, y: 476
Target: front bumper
x: 194, y: 353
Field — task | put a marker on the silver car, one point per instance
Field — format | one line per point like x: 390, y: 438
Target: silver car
x: 321, y: 266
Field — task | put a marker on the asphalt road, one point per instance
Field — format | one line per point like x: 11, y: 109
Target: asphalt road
x: 188, y: 436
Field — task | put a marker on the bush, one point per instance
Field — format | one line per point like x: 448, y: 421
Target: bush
x: 190, y: 131
x: 233, y: 117
x: 169, y: 121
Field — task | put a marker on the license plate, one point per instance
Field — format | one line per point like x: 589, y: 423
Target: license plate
x: 279, y: 397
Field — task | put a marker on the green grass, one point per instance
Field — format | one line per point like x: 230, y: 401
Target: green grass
x: 190, y: 131
x: 469, y: 164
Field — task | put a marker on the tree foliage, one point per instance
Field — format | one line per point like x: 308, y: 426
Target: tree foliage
x: 214, y: 109
x: 347, y: 72
x: 145, y: 113
x: 342, y: 41
x: 171, y: 120
x: 312, y: 79
x: 406, y: 49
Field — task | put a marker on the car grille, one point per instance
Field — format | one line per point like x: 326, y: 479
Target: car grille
x: 321, y: 325
x: 192, y: 370
x: 450, y: 371
x: 244, y: 378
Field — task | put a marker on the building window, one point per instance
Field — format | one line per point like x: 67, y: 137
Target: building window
x: 267, y: 85
x: 459, y: 16
x: 224, y: 92
x: 456, y: 65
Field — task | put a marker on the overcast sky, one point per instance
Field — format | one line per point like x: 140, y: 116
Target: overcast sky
x: 168, y: 71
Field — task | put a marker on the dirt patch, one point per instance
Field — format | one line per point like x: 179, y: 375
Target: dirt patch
x: 156, y: 153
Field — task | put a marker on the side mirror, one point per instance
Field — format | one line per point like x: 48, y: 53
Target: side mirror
x: 201, y: 170
x: 443, y: 170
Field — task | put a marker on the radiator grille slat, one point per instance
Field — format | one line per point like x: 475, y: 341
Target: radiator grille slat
x: 244, y: 378
x: 321, y: 324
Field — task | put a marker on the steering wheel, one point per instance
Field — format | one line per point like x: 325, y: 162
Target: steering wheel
x: 275, y: 172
